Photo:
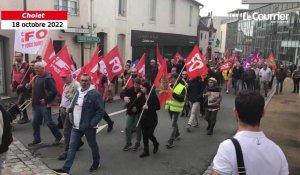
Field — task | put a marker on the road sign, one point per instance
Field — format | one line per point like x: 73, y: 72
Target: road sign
x: 87, y: 39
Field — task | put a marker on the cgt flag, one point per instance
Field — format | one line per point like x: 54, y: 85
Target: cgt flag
x: 225, y: 66
x: 58, y: 63
x: 162, y: 85
x: 114, y: 63
x: 195, y: 64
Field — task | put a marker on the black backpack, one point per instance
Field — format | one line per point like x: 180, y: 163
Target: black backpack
x: 7, y: 131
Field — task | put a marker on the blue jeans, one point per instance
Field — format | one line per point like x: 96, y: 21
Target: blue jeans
x: 38, y: 114
x: 175, y: 131
x: 76, y: 135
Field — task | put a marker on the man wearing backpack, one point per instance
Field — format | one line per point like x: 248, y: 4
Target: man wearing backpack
x: 257, y: 154
x: 5, y: 130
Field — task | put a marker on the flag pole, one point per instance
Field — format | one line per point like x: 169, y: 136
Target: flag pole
x: 143, y: 109
x: 127, y: 81
x: 178, y: 77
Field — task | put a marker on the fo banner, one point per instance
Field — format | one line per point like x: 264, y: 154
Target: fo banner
x: 30, y: 41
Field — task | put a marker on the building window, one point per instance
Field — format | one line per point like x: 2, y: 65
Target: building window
x: 173, y: 12
x: 122, y: 8
x: 122, y: 44
x: 152, y: 10
x: 191, y: 16
x: 201, y: 35
x: 72, y: 6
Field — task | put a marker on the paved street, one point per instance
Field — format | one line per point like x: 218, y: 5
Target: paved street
x: 191, y: 155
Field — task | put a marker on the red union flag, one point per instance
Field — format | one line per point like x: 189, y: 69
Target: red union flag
x: 57, y: 64
x: 49, y: 52
x: 162, y: 85
x: 225, y: 66
x: 195, y: 64
x: 91, y: 68
x: 114, y: 63
x: 159, y: 57
x: 271, y: 62
x: 141, y: 66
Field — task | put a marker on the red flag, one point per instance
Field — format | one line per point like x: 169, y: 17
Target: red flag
x: 225, y: 66
x: 234, y: 58
x: 49, y: 52
x: 91, y: 68
x: 177, y: 57
x: 271, y: 61
x: 114, y: 63
x: 226, y: 54
x: 141, y: 66
x: 195, y: 64
x: 159, y: 57
x: 57, y: 64
x: 162, y: 85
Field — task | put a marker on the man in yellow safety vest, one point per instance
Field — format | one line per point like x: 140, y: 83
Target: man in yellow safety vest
x: 175, y: 106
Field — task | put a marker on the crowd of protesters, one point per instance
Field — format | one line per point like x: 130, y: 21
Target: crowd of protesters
x: 82, y: 103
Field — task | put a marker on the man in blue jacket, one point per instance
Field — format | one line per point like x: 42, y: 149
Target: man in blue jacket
x: 87, y: 110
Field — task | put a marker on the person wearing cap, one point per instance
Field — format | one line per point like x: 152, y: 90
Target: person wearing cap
x: 213, y: 98
x: 175, y: 106
x: 69, y: 89
x: 134, y: 108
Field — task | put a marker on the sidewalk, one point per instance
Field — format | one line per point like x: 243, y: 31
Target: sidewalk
x: 282, y: 124
x: 19, y: 161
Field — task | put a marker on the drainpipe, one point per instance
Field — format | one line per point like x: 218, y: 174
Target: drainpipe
x: 25, y: 9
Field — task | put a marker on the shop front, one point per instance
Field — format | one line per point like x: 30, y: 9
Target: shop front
x: 169, y: 44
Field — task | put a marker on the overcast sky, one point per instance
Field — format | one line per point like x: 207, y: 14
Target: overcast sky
x: 220, y: 7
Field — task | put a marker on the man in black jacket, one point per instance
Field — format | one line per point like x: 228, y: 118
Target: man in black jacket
x: 195, y: 95
x: 237, y: 75
x: 280, y: 77
x: 134, y: 108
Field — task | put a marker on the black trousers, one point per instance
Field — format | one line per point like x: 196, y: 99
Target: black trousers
x: 211, y: 118
x: 296, y: 85
x: 106, y: 117
x: 148, y: 132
